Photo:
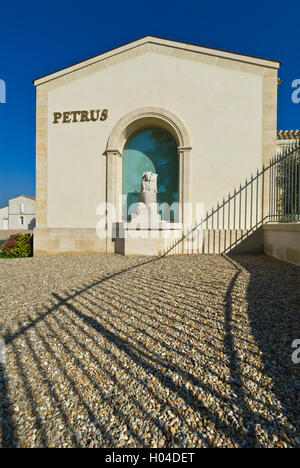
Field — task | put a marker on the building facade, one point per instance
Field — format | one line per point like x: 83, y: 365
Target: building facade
x: 4, y: 218
x: 202, y: 119
x: 20, y: 214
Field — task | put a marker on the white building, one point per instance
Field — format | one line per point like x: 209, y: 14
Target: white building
x: 203, y: 119
x: 20, y: 214
x: 4, y: 217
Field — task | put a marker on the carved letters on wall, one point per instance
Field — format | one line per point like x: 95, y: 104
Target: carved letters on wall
x: 80, y: 116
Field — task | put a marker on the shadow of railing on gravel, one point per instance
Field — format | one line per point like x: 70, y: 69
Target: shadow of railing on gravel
x: 9, y: 438
x: 146, y: 359
x: 141, y: 357
x: 242, y: 407
x: 86, y: 320
x: 273, y: 311
x: 7, y: 433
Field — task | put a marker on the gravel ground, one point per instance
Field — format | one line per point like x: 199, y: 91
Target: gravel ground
x: 185, y: 351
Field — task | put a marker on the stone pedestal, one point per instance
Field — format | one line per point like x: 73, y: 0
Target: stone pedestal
x: 146, y: 233
x: 146, y: 217
x: 146, y: 241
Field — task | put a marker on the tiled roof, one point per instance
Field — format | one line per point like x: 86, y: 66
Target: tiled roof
x: 288, y: 134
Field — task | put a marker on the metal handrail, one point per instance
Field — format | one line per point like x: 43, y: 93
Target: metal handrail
x: 243, y: 211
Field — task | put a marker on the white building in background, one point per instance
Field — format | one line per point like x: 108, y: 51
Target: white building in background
x: 4, y: 217
x: 286, y: 138
x: 19, y: 214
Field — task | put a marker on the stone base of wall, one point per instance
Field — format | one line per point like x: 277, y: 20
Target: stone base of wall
x: 251, y: 244
x: 63, y: 241
x: 146, y: 242
x: 220, y: 241
x: 282, y: 241
x: 67, y: 241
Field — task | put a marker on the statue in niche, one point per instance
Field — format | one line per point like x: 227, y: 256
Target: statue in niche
x: 148, y: 188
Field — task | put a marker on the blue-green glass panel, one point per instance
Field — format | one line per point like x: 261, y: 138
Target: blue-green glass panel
x: 153, y: 150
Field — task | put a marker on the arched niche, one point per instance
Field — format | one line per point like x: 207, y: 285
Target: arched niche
x: 131, y: 123
x: 151, y: 149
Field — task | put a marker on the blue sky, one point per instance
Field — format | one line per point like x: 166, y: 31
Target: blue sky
x: 37, y: 38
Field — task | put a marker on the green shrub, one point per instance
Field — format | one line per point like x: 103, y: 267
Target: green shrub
x: 18, y: 245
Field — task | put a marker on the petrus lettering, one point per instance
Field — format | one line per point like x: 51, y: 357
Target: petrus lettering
x: 80, y: 116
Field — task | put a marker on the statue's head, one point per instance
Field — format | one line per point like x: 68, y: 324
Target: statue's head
x: 147, y: 175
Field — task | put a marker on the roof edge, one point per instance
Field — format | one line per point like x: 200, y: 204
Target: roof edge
x: 288, y: 134
x: 18, y: 196
x: 143, y: 38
